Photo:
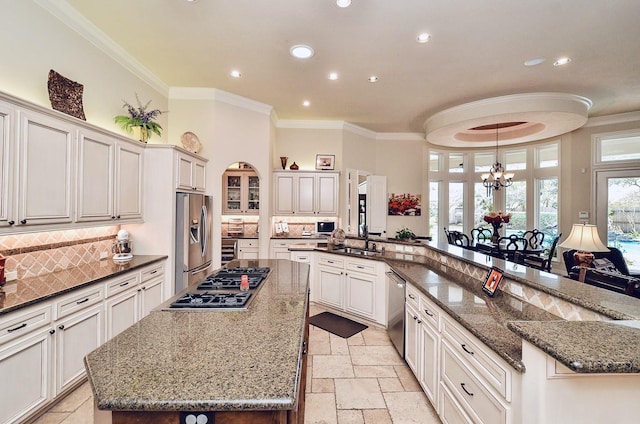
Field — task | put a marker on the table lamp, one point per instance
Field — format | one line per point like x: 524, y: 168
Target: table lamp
x: 584, y: 238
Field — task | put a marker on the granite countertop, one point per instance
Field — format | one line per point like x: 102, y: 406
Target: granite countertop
x: 234, y: 360
x: 21, y: 293
x: 503, y: 321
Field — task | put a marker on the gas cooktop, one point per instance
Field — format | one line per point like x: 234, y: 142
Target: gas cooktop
x: 221, y: 291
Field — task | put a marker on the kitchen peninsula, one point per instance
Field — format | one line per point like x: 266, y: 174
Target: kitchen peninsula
x: 232, y: 367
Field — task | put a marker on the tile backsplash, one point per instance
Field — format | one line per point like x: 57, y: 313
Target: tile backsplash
x: 35, y: 254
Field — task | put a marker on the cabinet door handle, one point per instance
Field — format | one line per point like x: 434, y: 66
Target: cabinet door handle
x: 155, y: 271
x: 464, y: 347
x: 415, y: 317
x: 411, y: 296
x: 79, y: 302
x: 426, y: 311
x: 465, y: 389
x: 52, y: 331
x: 61, y: 327
x: 359, y: 267
x: 419, y: 321
x: 11, y: 330
x: 11, y: 222
x: 23, y: 221
x: 126, y: 283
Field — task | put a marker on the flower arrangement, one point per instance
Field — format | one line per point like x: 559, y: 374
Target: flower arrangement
x: 497, y: 217
x: 141, y: 118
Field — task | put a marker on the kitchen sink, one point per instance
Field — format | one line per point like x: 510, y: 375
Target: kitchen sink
x: 357, y: 251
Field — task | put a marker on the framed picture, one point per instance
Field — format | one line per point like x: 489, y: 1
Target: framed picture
x: 494, y: 276
x: 325, y: 162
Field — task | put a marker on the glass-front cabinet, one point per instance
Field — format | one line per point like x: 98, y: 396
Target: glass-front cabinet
x: 241, y: 192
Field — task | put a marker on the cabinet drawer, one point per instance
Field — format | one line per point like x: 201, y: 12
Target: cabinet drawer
x: 412, y: 296
x: 430, y: 312
x: 78, y: 301
x: 450, y: 410
x: 280, y: 244
x: 469, y: 390
x: 331, y: 260
x: 121, y: 284
x: 486, y: 364
x: 366, y: 267
x: 19, y: 323
x: 247, y: 243
x: 151, y: 272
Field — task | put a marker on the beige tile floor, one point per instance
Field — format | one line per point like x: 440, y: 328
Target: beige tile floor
x: 359, y: 380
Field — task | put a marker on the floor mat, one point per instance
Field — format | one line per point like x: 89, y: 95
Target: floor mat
x: 340, y: 326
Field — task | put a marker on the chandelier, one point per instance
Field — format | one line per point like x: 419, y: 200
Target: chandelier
x: 496, y: 178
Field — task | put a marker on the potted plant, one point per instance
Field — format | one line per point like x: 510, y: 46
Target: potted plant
x: 140, y: 118
x: 405, y: 234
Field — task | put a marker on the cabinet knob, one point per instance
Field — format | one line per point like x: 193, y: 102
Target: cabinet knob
x: 118, y: 216
x: 419, y: 321
x: 113, y: 217
x: 23, y: 221
x: 415, y: 317
x: 11, y: 222
x: 61, y: 327
x: 52, y: 331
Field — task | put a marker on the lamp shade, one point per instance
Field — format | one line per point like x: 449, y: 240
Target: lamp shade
x: 584, y: 237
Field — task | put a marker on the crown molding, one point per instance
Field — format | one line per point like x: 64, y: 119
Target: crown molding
x: 214, y: 94
x: 400, y: 137
x: 619, y: 118
x: 74, y: 20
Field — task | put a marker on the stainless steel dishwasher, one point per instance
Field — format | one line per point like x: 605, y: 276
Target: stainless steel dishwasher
x: 395, y: 309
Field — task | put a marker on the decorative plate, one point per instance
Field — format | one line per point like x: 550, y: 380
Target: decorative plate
x: 191, y: 142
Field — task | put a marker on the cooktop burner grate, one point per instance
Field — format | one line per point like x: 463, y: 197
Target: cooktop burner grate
x: 229, y: 278
x: 212, y: 300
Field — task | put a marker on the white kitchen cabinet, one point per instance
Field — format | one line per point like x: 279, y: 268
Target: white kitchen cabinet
x: 132, y: 297
x: 429, y: 349
x: 305, y: 193
x: 7, y: 160
x: 109, y: 178
x: 353, y: 285
x: 411, y: 337
x: 76, y: 336
x: 27, y: 373
x: 280, y: 249
x: 191, y: 173
x: 301, y: 256
x: 46, y: 158
x: 241, y: 192
x: 248, y: 248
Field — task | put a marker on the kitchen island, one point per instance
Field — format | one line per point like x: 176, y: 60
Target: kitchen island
x: 236, y: 366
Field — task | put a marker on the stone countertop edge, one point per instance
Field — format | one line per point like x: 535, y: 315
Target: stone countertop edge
x: 21, y: 293
x: 223, y: 361
x: 567, y: 354
x: 617, y: 341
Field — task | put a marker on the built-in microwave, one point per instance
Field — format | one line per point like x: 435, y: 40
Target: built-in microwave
x: 325, y: 227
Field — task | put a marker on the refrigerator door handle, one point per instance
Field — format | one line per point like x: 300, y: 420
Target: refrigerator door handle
x: 203, y: 231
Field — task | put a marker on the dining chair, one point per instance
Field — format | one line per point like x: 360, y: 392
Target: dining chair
x: 447, y: 233
x: 534, y: 239
x: 511, y: 246
x: 480, y: 235
x: 460, y: 239
x: 540, y: 262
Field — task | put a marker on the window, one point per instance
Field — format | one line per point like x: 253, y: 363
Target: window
x: 515, y: 160
x: 618, y: 148
x: 516, y: 204
x: 483, y: 162
x: 434, y: 206
x: 482, y: 204
x: 456, y: 162
x: 434, y: 162
x: 547, y: 156
x: 456, y: 206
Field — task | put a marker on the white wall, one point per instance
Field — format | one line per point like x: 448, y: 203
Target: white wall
x: 34, y: 41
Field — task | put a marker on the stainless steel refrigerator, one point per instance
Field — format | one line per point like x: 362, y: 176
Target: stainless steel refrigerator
x: 193, y: 238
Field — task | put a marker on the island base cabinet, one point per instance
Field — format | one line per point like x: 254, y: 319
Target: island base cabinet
x: 160, y: 417
x: 26, y: 376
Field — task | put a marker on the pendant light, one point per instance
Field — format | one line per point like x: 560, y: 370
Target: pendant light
x: 496, y: 178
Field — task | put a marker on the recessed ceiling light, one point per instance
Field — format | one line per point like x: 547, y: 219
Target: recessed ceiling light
x: 423, y: 38
x: 333, y: 76
x: 236, y: 74
x: 301, y: 51
x: 343, y: 3
x: 562, y: 61
x: 306, y: 103
x: 534, y: 62
x: 373, y: 78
